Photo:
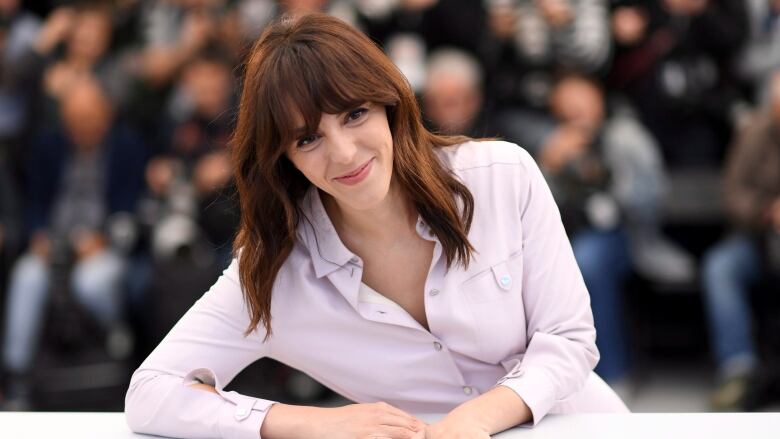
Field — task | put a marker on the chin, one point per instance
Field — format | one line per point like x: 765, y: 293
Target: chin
x: 369, y: 198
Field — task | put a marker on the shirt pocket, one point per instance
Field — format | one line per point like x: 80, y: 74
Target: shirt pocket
x: 495, y: 300
x: 501, y: 281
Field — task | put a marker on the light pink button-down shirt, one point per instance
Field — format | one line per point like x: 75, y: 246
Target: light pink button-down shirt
x: 519, y: 316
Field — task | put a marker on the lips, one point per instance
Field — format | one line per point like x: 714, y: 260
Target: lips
x: 357, y: 175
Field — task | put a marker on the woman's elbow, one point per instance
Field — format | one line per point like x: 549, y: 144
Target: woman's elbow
x: 139, y: 406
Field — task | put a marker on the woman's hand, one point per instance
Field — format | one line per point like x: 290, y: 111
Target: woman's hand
x: 369, y: 421
x: 357, y: 421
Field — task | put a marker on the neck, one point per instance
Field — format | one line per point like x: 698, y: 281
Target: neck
x: 388, y: 224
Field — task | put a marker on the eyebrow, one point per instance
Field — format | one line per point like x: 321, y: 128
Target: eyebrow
x: 300, y: 131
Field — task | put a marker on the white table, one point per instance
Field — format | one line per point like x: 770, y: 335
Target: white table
x: 24, y: 425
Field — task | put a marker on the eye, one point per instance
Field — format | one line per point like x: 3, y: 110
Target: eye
x: 356, y: 114
x: 306, y: 142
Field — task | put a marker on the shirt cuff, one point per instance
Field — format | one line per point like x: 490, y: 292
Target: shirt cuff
x: 536, y: 389
x: 240, y: 416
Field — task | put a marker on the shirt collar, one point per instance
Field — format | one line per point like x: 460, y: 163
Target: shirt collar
x: 319, y: 236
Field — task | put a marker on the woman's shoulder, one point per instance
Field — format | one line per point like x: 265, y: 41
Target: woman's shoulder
x: 484, y: 153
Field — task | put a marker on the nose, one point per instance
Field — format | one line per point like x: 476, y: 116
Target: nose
x: 342, y: 149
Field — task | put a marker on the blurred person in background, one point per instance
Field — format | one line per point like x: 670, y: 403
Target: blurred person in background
x: 175, y: 31
x: 540, y: 39
x: 200, y: 122
x: 187, y: 215
x: 452, y: 100
x: 673, y: 60
x: 73, y: 44
x: 733, y: 266
x: 571, y: 34
x: 607, y: 175
x: 409, y: 30
x: 637, y: 180
x: 80, y: 176
x: 574, y: 161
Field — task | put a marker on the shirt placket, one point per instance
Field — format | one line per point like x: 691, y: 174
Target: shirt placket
x: 437, y: 291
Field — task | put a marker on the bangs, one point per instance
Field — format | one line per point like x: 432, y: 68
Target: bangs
x: 308, y: 78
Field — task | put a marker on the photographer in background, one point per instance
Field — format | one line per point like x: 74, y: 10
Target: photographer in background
x: 80, y: 176
x: 576, y: 162
x: 673, y: 60
x: 736, y: 264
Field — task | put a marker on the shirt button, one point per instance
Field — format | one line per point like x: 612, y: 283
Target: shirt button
x: 437, y: 345
x: 241, y: 412
x: 433, y: 293
x: 354, y: 260
x: 467, y: 390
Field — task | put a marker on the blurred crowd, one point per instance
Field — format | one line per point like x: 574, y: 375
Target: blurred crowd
x: 116, y: 200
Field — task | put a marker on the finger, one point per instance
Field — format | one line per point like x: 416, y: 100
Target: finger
x: 401, y: 420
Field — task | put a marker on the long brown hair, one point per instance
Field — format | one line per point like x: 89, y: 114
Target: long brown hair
x: 306, y: 66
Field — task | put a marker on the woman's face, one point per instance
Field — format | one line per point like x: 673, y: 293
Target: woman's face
x: 349, y: 157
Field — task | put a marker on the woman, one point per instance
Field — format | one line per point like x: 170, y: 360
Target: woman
x: 399, y: 266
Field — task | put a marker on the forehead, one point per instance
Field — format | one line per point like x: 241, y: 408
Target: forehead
x: 302, y: 114
x: 302, y: 80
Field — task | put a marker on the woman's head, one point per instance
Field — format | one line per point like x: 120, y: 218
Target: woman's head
x: 301, y: 68
x: 316, y: 89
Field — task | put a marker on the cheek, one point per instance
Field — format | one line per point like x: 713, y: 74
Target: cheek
x: 311, y: 166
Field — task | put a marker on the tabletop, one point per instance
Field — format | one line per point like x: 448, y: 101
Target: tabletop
x: 23, y: 425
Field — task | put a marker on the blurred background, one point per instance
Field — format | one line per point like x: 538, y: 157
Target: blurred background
x: 656, y: 122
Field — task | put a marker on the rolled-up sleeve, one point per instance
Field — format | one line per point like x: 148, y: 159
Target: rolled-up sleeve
x: 206, y: 346
x: 561, y: 348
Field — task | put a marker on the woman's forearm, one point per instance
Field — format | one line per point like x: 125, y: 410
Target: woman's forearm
x: 282, y: 421
x: 496, y: 410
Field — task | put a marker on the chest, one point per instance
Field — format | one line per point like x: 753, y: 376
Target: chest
x: 456, y: 329
x: 400, y: 275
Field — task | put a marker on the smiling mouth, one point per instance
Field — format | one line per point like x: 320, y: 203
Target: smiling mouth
x: 355, y: 172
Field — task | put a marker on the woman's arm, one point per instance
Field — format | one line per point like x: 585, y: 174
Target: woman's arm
x: 207, y: 346
x: 354, y: 421
x: 494, y: 411
x: 561, y: 349
x: 178, y: 390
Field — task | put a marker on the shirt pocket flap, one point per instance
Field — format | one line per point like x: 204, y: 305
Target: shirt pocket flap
x: 502, y: 276
x: 496, y: 283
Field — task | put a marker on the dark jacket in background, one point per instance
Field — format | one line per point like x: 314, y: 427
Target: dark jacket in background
x: 680, y: 78
x: 125, y: 159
